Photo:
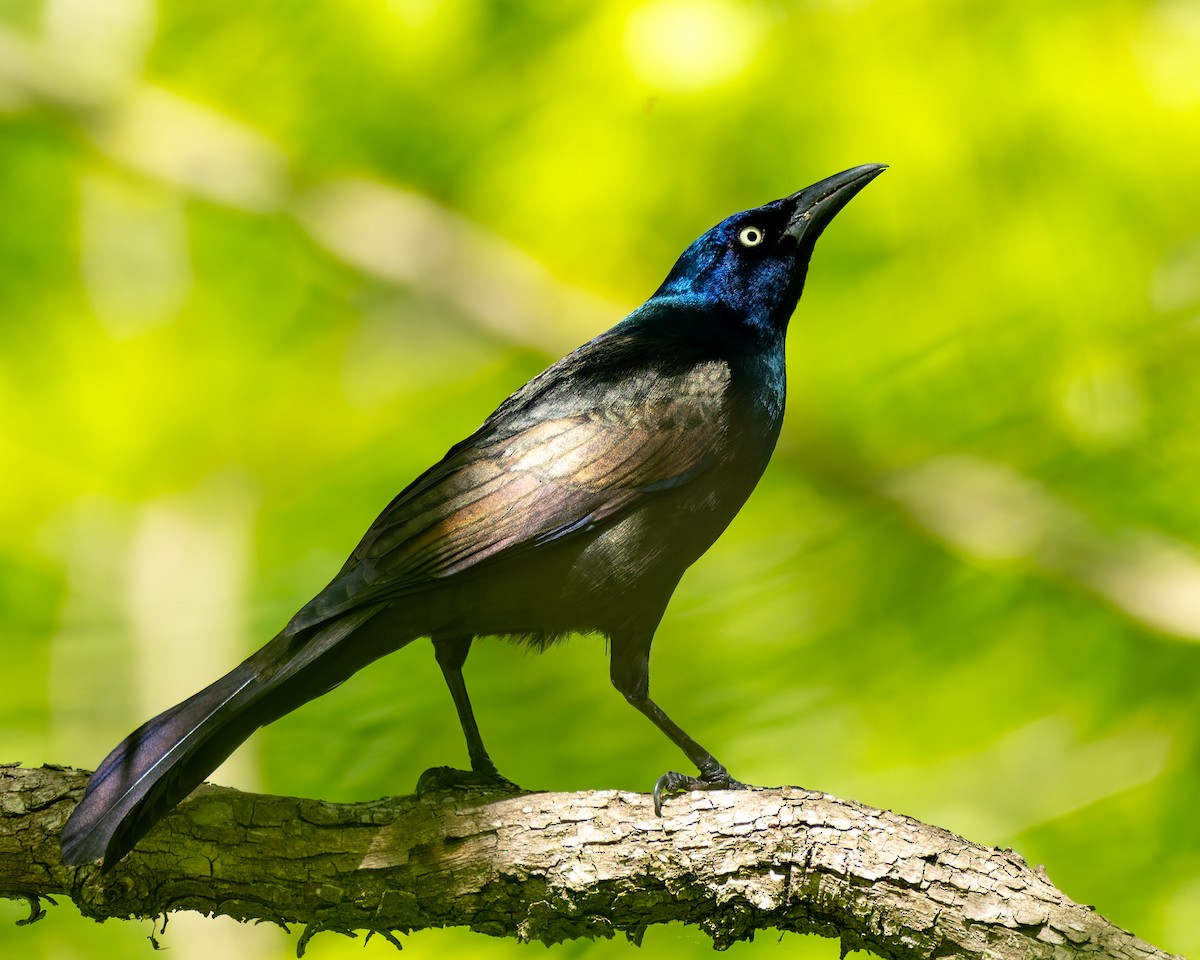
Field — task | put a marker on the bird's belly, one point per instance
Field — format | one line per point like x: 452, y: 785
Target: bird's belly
x: 599, y: 580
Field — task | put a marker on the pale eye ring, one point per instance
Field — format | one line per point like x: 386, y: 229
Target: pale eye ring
x: 751, y: 236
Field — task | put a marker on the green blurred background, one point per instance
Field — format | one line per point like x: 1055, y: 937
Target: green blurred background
x: 261, y: 263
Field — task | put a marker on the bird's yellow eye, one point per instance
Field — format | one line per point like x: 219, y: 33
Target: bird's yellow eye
x: 750, y: 236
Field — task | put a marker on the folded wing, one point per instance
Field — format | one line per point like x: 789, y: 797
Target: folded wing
x: 544, y: 466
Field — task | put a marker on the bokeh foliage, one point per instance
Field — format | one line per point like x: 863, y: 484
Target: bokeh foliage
x: 261, y: 263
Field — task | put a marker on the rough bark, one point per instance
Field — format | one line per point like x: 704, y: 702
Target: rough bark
x: 557, y: 866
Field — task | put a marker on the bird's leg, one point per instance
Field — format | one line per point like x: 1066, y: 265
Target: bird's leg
x: 451, y: 653
x: 713, y: 775
x: 630, y: 673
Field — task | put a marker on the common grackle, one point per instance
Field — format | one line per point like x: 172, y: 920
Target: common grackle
x: 575, y: 507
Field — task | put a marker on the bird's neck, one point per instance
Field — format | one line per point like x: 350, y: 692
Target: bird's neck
x: 704, y: 318
x: 754, y: 348
x: 769, y: 376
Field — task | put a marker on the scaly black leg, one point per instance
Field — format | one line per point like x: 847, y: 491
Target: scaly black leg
x: 451, y: 653
x: 630, y: 672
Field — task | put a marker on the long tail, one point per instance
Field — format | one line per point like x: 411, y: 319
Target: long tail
x: 164, y: 759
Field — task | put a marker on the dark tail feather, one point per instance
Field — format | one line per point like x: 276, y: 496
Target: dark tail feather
x: 164, y: 759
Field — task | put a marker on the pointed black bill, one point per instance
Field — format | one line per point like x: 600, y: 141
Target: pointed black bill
x: 815, y: 206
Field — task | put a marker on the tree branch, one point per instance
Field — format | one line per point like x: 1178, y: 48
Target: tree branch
x: 557, y: 866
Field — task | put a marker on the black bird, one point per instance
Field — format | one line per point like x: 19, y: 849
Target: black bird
x: 576, y: 507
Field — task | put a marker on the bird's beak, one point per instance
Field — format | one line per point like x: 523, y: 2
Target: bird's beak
x: 815, y: 206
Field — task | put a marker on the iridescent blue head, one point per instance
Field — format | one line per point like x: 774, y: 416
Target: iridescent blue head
x: 754, y: 263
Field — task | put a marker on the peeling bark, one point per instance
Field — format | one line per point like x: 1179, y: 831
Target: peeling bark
x: 558, y: 866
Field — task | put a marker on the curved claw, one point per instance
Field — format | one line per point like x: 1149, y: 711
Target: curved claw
x: 448, y: 778
x: 673, y: 782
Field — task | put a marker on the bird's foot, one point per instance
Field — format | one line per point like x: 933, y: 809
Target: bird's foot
x: 671, y: 783
x: 448, y: 778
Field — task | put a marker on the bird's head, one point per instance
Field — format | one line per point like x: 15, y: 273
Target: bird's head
x: 754, y: 262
